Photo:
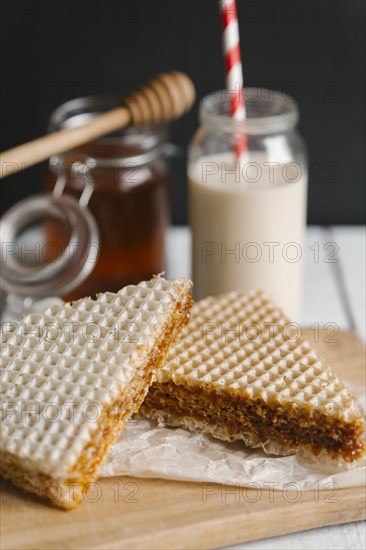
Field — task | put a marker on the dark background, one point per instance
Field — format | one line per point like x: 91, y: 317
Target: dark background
x: 55, y: 50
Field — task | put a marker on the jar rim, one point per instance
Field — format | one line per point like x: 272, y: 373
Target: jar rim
x: 268, y: 112
x: 80, y: 110
x: 72, y: 265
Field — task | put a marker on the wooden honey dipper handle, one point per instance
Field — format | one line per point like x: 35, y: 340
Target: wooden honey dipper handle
x: 165, y: 97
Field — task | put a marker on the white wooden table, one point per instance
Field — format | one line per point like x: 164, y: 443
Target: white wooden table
x: 334, y: 292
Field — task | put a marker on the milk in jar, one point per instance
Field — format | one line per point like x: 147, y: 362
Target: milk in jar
x: 248, y: 219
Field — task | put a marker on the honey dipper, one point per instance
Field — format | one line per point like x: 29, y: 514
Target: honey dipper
x: 165, y: 97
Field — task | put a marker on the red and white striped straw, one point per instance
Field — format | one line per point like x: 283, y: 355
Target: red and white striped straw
x: 234, y: 70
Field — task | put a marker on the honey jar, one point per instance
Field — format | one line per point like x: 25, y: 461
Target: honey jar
x: 130, y: 178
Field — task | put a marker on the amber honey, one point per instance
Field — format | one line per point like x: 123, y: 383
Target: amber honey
x: 130, y: 200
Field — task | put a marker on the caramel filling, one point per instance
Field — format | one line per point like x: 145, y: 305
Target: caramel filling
x: 290, y: 426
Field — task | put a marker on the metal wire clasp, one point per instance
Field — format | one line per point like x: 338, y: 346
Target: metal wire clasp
x: 81, y: 169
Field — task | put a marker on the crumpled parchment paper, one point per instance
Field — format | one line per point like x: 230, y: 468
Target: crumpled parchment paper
x: 147, y: 450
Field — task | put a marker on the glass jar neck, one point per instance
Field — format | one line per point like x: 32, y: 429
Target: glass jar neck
x: 137, y: 145
x: 268, y: 112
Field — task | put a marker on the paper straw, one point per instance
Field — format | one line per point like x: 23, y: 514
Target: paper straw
x: 234, y: 71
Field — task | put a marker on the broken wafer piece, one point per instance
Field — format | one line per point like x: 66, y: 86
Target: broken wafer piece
x: 242, y: 371
x: 72, y: 376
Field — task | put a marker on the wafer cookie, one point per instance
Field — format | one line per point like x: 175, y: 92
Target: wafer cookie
x: 242, y: 371
x: 72, y: 376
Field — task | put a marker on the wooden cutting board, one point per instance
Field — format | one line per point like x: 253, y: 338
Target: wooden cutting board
x: 147, y: 513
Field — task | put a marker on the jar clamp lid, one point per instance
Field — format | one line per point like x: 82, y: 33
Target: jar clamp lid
x: 77, y: 260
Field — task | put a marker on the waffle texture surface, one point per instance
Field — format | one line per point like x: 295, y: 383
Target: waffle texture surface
x: 65, y: 371
x: 242, y: 351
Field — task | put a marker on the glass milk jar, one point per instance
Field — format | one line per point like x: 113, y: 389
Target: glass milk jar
x: 248, y: 218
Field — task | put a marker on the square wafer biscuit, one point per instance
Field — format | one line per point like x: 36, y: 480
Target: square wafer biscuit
x: 242, y: 371
x: 72, y: 376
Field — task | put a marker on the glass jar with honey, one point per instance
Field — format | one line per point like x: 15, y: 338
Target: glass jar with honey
x: 130, y: 179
